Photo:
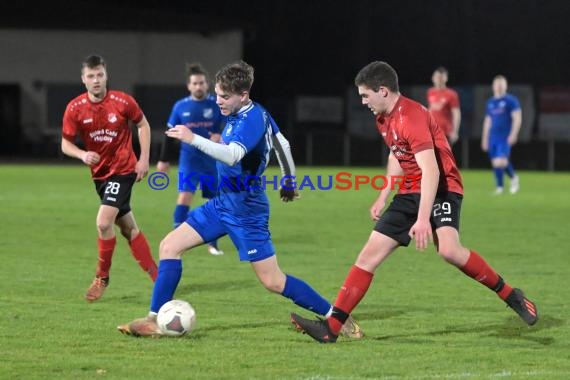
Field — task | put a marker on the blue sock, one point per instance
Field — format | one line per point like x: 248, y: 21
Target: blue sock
x: 303, y: 295
x: 510, y: 170
x: 499, y: 176
x: 169, y: 273
x: 180, y: 214
x: 214, y: 243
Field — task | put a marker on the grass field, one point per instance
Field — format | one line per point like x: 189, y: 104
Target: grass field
x: 423, y: 319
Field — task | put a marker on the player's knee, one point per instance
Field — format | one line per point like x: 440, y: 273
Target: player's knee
x: 456, y: 255
x: 167, y: 251
x: 104, y: 226
x: 500, y: 163
x: 451, y: 254
x: 274, y: 285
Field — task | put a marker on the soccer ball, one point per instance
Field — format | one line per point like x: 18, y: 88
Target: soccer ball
x: 176, y: 318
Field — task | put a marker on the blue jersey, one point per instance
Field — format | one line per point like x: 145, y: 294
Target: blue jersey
x: 241, y: 209
x: 201, y: 116
x: 252, y: 128
x: 499, y: 110
x: 274, y: 127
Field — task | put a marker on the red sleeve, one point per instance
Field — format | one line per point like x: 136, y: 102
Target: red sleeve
x: 453, y: 99
x: 69, y: 129
x: 133, y: 111
x: 418, y: 132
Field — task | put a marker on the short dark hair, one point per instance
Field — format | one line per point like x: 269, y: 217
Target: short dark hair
x: 93, y: 61
x: 235, y: 77
x: 377, y: 74
x: 442, y: 70
x: 195, y: 69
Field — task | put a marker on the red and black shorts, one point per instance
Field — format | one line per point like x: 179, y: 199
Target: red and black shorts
x: 116, y: 191
x: 402, y: 213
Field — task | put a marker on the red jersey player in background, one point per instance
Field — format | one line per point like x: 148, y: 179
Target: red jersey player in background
x: 417, y: 146
x: 101, y: 118
x: 443, y: 103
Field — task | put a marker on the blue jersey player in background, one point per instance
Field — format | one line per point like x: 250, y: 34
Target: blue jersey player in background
x: 241, y: 208
x: 200, y: 113
x: 500, y: 132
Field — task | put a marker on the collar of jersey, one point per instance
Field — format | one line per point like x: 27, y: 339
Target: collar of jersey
x: 245, y: 108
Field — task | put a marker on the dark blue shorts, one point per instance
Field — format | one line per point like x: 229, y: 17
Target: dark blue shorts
x: 250, y: 234
x: 499, y: 149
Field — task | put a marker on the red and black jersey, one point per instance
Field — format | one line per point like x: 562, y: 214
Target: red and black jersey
x: 441, y: 102
x: 104, y: 128
x: 410, y: 128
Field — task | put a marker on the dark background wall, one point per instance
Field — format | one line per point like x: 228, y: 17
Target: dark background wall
x: 316, y: 47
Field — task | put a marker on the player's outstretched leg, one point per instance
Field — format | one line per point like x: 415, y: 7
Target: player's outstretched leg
x: 303, y: 295
x: 350, y: 329
x: 524, y: 307
x: 319, y: 330
x: 477, y: 268
x: 169, y: 273
x: 142, y: 327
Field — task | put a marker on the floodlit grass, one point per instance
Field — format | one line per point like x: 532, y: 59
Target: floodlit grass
x: 423, y: 319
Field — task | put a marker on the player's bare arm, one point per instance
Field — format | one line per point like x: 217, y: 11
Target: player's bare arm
x: 485, y: 134
x: 393, y: 169
x: 141, y: 168
x: 516, y: 127
x: 70, y: 149
x: 456, y: 118
x: 421, y: 231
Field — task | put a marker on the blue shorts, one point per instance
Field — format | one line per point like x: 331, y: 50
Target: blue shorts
x: 499, y: 149
x: 250, y: 234
x: 197, y: 171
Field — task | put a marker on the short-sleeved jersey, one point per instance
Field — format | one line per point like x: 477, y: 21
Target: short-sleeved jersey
x: 500, y: 111
x: 409, y: 129
x: 440, y: 103
x: 251, y: 128
x: 201, y: 116
x: 104, y: 128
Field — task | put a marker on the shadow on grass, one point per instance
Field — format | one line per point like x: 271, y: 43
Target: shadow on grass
x: 189, y: 288
x: 186, y: 290
x: 204, y: 332
x: 512, y: 328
